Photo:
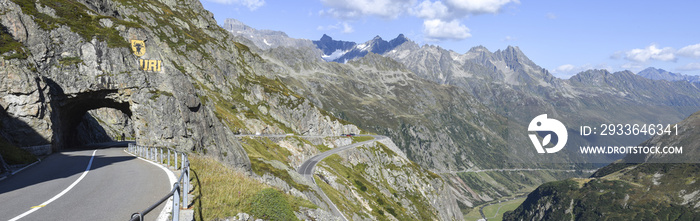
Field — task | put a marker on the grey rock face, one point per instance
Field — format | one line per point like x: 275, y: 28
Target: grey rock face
x: 44, y: 99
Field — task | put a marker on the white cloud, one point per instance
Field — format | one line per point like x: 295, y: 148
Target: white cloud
x: 651, y: 53
x: 690, y: 67
x: 436, y: 29
x: 632, y: 66
x: 352, y: 9
x: 430, y: 10
x: 509, y: 38
x: 441, y: 18
x: 564, y: 68
x: 690, y: 51
x: 617, y: 55
x: 251, y: 4
x: 328, y: 27
x: 551, y: 16
x: 479, y: 6
x: 347, y: 28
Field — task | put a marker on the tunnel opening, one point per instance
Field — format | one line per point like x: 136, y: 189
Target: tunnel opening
x: 85, y: 118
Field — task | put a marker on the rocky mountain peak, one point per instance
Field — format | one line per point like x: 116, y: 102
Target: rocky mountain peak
x: 661, y: 74
x: 479, y: 49
x: 233, y: 24
x: 398, y: 40
x: 511, y: 52
x: 263, y: 39
x: 341, y: 51
x: 326, y: 38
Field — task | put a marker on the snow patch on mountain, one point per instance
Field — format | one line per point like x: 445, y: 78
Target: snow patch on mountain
x: 335, y: 55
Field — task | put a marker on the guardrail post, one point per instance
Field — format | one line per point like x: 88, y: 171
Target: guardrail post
x: 161, y: 155
x: 185, y: 189
x: 188, y: 174
x: 175, y: 156
x: 183, y: 161
x: 176, y: 203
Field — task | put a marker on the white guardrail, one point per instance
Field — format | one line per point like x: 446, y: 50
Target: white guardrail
x: 181, y: 187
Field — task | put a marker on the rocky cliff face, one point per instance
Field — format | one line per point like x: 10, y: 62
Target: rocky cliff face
x: 70, y: 74
x: 70, y: 57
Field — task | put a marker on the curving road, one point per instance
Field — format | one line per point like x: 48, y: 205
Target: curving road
x: 98, y: 184
x: 307, y: 168
x: 481, y: 208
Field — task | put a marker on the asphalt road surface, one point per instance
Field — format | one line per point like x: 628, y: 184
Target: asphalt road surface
x: 307, y: 168
x: 75, y: 185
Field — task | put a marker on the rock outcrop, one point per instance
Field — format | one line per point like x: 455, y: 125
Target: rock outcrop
x: 163, y: 73
x: 71, y: 59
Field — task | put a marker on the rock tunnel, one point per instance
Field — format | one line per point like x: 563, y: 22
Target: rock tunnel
x: 75, y: 127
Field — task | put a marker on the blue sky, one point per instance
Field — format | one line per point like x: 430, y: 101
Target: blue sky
x: 565, y: 37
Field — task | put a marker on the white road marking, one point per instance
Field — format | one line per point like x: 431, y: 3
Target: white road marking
x: 171, y: 177
x: 42, y: 205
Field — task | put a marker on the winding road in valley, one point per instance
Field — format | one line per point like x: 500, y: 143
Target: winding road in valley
x: 307, y: 168
x: 105, y: 183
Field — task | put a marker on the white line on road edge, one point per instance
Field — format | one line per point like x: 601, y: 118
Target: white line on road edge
x: 171, y: 177
x: 35, y: 208
x: 20, y: 170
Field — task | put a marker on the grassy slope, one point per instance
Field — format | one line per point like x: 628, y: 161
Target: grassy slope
x: 222, y: 192
x: 633, y: 193
x: 380, y: 205
x: 495, y: 211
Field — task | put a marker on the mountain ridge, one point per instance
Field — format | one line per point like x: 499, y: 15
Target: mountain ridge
x: 660, y: 74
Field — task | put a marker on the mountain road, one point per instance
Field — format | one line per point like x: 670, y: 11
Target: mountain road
x: 97, y: 184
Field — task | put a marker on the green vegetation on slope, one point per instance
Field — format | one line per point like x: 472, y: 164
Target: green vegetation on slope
x: 381, y: 205
x: 9, y: 44
x: 79, y: 18
x: 358, y: 139
x: 13, y: 154
x: 270, y: 204
x: 643, y: 192
x: 262, y: 152
x: 495, y: 211
x: 222, y: 192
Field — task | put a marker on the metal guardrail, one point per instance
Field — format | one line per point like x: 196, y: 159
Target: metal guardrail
x: 181, y: 186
